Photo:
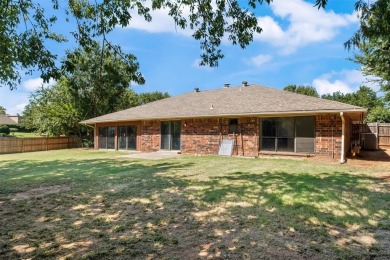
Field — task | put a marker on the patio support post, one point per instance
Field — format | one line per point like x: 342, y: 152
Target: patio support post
x: 342, y: 157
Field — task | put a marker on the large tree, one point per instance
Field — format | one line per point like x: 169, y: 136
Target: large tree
x: 96, y: 84
x: 26, y: 28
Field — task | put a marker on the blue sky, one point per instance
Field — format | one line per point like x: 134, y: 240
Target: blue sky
x: 299, y: 45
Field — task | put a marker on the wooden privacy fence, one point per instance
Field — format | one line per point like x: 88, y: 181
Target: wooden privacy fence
x: 381, y: 131
x: 23, y: 145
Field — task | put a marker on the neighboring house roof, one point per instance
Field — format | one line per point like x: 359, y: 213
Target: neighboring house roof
x: 228, y: 101
x: 5, y: 120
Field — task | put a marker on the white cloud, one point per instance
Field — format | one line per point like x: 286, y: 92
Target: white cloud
x: 307, y: 25
x: 35, y: 83
x: 325, y: 86
x: 259, y: 60
x: 345, y: 81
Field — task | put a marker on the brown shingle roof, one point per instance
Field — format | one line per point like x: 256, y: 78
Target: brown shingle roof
x: 5, y: 120
x: 233, y: 101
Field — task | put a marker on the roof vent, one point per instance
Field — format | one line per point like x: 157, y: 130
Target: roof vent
x: 245, y: 83
x: 196, y: 89
x: 226, y: 85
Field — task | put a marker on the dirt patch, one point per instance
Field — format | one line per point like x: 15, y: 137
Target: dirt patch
x: 40, y: 192
x: 371, y: 158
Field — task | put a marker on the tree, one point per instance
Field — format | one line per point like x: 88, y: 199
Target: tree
x: 363, y: 97
x: 2, y: 110
x: 85, y: 92
x: 378, y: 109
x: 379, y: 114
x: 304, y: 90
x: 373, y: 41
x: 26, y: 29
x: 97, y: 80
x: 53, y: 111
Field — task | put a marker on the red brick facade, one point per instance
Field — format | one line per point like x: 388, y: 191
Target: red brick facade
x: 203, y: 135
x: 150, y: 136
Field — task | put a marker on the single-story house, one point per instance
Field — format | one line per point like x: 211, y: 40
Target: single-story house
x: 260, y: 120
x: 9, y: 120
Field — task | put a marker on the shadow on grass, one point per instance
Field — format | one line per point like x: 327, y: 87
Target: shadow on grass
x: 141, y: 209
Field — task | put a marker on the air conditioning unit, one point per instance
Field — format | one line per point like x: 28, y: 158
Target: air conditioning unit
x: 370, y: 141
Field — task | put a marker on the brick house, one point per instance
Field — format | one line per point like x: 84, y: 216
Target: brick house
x: 260, y: 120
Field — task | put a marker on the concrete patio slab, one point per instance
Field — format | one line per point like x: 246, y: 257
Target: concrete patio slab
x: 159, y: 155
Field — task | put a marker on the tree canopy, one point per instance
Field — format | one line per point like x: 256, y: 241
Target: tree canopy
x: 2, y: 110
x: 373, y: 41
x: 26, y: 29
x: 377, y: 107
x: 304, y: 90
x: 85, y: 92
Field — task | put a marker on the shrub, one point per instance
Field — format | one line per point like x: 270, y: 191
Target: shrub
x: 4, y: 129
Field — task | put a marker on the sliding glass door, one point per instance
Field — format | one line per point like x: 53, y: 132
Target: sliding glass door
x: 170, y: 135
x: 127, y: 137
x: 107, y: 137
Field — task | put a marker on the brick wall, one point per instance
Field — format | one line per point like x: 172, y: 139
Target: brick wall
x: 203, y: 136
x: 328, y: 138
x: 150, y: 136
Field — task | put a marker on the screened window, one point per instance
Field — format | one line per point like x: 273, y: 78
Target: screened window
x: 233, y: 125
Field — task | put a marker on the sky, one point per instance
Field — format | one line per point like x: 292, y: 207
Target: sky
x: 299, y: 45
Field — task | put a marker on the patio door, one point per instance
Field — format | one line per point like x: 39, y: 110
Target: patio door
x: 127, y: 137
x: 170, y: 135
x: 107, y: 137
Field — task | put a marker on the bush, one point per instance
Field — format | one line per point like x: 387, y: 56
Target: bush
x: 4, y: 129
x: 87, y: 143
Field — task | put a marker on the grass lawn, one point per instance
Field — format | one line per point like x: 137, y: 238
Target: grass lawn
x: 24, y: 135
x: 79, y: 204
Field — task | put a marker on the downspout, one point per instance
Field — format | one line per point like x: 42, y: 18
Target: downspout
x: 342, y: 157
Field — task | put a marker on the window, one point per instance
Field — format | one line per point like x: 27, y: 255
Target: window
x: 288, y: 134
x: 233, y: 125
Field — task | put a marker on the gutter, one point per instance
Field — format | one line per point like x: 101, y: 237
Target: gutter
x: 264, y: 114
x: 342, y: 157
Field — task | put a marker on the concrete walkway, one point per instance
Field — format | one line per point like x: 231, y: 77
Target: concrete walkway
x: 151, y: 155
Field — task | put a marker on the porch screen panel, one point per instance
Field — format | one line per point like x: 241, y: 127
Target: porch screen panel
x: 165, y: 135
x: 288, y: 134
x: 285, y: 134
x: 132, y: 138
x: 305, y: 134
x: 110, y: 137
x: 176, y: 133
x: 122, y: 137
x: 102, y: 137
x: 268, y: 130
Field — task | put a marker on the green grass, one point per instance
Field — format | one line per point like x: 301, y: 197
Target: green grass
x: 24, y: 135
x: 87, y: 204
